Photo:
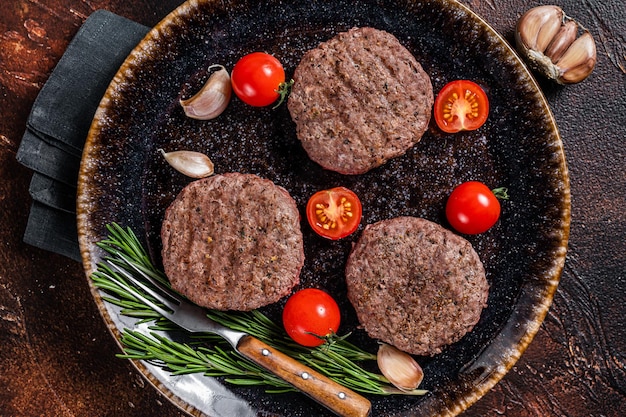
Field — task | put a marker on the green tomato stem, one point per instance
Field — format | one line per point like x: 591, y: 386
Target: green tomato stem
x: 501, y: 193
x: 283, y: 90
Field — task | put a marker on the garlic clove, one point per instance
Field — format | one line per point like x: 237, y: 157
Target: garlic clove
x: 190, y: 163
x: 537, y: 26
x: 562, y: 40
x: 549, y: 29
x: 213, y: 97
x: 579, y: 59
x: 399, y: 368
x: 548, y: 40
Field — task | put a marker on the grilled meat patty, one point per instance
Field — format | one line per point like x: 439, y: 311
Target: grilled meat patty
x: 359, y: 99
x: 232, y: 242
x: 415, y: 284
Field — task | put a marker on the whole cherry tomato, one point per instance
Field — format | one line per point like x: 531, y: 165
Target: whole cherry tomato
x: 461, y: 105
x: 258, y: 79
x: 473, y: 208
x: 334, y: 213
x: 310, y: 315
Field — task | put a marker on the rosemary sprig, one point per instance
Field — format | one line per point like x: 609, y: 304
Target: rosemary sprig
x: 183, y: 359
x: 210, y: 354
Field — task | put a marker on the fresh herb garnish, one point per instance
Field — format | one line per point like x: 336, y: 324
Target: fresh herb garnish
x: 210, y: 354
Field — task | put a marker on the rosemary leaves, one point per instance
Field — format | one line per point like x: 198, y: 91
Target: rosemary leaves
x: 208, y: 354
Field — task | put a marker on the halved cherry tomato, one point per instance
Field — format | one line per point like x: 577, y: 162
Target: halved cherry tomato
x: 334, y: 213
x: 257, y: 79
x: 473, y: 208
x: 461, y: 105
x: 310, y: 315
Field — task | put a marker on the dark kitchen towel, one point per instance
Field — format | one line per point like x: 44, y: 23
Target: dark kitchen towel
x: 59, y: 122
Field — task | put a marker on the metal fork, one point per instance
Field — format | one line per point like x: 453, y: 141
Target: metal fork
x: 337, y: 398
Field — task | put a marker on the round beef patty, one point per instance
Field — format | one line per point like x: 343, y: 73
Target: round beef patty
x: 233, y: 242
x: 359, y: 100
x: 415, y: 285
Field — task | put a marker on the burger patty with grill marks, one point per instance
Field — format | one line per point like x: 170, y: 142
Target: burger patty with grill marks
x: 233, y: 242
x: 415, y: 284
x: 358, y: 100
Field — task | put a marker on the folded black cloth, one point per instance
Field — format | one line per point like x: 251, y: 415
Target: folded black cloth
x: 59, y: 122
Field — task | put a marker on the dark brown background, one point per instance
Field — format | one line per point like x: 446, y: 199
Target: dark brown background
x: 57, y: 357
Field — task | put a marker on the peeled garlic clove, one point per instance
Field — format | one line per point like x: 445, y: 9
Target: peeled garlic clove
x: 399, y: 367
x: 548, y: 40
x: 190, y: 163
x: 212, y: 99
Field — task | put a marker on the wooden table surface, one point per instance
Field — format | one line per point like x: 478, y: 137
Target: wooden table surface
x: 57, y: 356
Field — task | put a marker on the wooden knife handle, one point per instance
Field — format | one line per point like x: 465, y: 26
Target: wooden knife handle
x: 337, y: 398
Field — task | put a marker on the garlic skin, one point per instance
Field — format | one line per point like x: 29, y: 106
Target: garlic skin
x: 190, y: 163
x: 213, y: 97
x: 548, y: 39
x: 399, y: 368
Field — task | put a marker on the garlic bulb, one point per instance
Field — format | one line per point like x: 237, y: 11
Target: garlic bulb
x: 399, y: 368
x: 190, y: 163
x: 548, y: 39
x: 212, y: 99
